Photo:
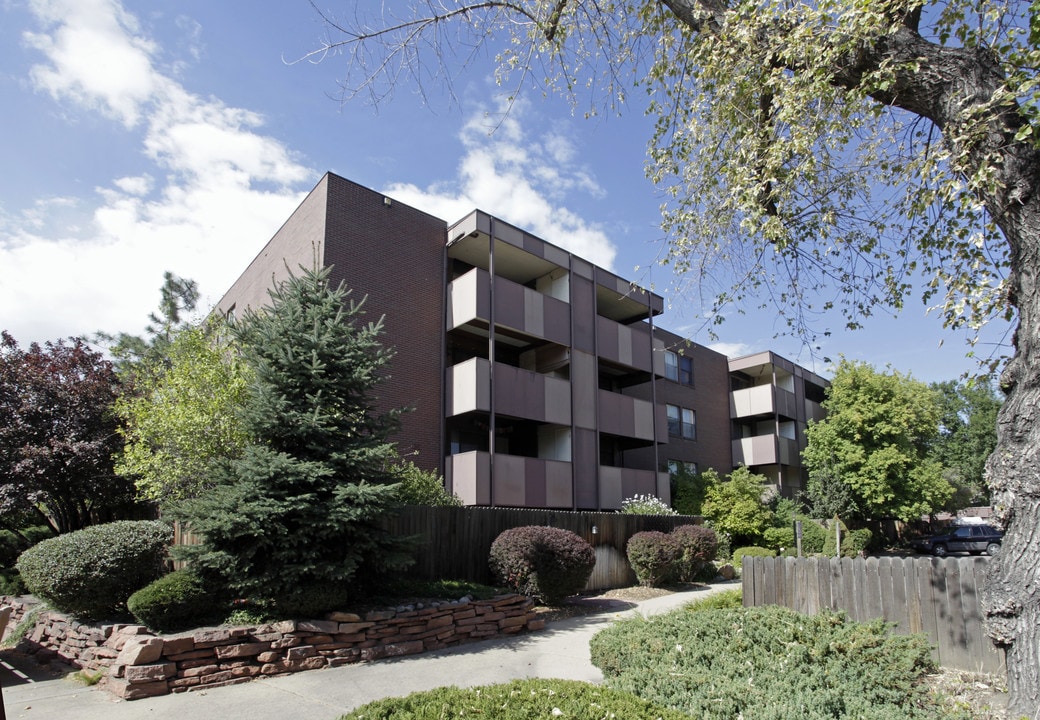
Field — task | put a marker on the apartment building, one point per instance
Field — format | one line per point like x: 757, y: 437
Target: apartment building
x: 534, y: 378
x: 771, y: 401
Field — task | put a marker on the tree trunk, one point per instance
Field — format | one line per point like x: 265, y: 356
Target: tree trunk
x: 1011, y: 597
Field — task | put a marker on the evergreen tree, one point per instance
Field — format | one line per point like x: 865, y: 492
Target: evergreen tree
x: 295, y: 519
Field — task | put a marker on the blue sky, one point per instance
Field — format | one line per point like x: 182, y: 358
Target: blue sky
x: 140, y: 137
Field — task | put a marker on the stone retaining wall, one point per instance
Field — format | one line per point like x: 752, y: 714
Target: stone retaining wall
x: 140, y: 664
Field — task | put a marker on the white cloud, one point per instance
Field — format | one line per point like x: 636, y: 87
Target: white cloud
x: 73, y: 266
x: 209, y: 186
x: 731, y: 349
x: 520, y: 179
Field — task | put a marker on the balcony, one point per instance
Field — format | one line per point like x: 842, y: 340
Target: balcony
x: 517, y: 307
x: 617, y: 484
x: 518, y: 481
x: 518, y: 393
x: 630, y: 417
x: 762, y: 400
x: 629, y: 345
x: 766, y: 450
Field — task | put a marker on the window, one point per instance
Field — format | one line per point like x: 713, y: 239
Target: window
x: 689, y: 424
x: 681, y: 466
x: 682, y: 422
x: 686, y: 371
x: 671, y: 365
x: 678, y: 368
x: 674, y: 421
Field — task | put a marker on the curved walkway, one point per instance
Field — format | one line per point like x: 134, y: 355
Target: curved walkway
x: 559, y: 651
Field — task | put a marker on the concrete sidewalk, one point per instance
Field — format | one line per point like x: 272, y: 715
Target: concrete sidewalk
x: 559, y: 651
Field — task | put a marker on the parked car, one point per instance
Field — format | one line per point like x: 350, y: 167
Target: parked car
x: 974, y: 539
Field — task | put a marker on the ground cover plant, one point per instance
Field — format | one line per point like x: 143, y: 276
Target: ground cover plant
x: 518, y: 700
x: 768, y: 663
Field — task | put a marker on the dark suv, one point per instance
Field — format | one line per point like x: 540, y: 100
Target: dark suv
x: 975, y: 539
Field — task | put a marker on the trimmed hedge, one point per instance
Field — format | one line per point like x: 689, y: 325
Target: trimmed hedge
x: 652, y: 555
x: 768, y: 663
x: 175, y: 601
x: 91, y: 572
x: 518, y: 700
x: 544, y: 562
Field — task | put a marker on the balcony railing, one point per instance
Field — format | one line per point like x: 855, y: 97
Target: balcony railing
x: 766, y: 450
x: 619, y: 484
x: 518, y: 393
x: 517, y: 481
x: 762, y: 400
x: 631, y: 417
x: 517, y: 307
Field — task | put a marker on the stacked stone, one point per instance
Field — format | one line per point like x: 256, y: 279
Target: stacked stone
x: 139, y: 664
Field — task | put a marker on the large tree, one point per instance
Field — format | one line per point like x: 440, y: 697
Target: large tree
x: 967, y: 436
x: 836, y: 154
x: 295, y: 518
x: 872, y: 451
x: 58, y: 437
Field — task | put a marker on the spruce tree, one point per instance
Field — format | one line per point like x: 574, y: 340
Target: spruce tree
x: 295, y: 520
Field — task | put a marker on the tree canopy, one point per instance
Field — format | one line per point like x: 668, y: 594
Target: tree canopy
x: 183, y: 415
x: 967, y: 436
x: 873, y: 448
x: 58, y: 436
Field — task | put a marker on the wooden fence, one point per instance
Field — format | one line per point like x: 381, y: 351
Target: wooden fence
x: 455, y: 542
x: 937, y: 597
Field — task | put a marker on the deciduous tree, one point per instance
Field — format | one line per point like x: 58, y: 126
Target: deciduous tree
x: 833, y: 154
x: 58, y: 436
x: 967, y: 436
x: 184, y: 414
x: 871, y: 453
x: 735, y: 506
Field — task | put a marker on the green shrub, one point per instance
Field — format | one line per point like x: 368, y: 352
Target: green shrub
x: 543, y: 562
x: 92, y: 572
x: 688, y: 491
x: 174, y: 602
x: 652, y: 555
x: 697, y: 548
x: 768, y: 663
x: 776, y: 538
x: 752, y: 551
x: 518, y: 700
x: 725, y: 600
x: 11, y: 583
x: 852, y: 541
x: 813, y: 536
x: 14, y: 544
x: 422, y: 487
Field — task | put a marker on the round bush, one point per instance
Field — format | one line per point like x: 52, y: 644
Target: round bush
x: 518, y: 700
x: 698, y: 546
x: 751, y: 551
x: 91, y: 572
x: 652, y: 555
x: 174, y: 602
x: 543, y: 562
